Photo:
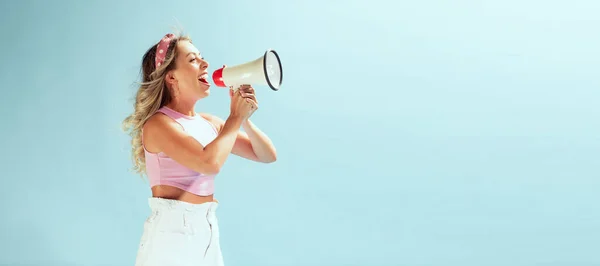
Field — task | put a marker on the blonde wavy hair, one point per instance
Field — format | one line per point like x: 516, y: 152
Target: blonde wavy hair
x: 151, y: 95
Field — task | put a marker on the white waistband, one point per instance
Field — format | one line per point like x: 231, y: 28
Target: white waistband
x: 171, y: 204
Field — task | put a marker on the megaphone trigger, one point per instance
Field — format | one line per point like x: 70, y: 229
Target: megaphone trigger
x: 265, y: 70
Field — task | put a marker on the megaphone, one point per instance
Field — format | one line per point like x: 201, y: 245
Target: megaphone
x: 265, y: 70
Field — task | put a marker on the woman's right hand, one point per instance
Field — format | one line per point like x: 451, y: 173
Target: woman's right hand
x: 243, y: 102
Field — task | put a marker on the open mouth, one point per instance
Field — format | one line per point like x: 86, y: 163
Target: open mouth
x: 204, y: 79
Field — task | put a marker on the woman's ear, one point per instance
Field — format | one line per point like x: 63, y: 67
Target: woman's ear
x: 170, y: 78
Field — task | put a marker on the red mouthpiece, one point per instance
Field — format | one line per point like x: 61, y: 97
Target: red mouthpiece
x: 218, y: 77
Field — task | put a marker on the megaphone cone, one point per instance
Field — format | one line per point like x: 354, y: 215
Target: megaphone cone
x: 266, y: 70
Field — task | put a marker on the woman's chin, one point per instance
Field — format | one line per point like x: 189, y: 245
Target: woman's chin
x: 204, y: 91
x: 204, y: 88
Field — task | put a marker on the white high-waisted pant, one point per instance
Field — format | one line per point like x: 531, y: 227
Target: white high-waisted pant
x: 178, y: 233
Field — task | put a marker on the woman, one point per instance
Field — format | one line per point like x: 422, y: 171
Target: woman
x: 182, y: 151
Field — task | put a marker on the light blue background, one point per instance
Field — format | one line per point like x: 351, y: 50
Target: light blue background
x: 446, y: 133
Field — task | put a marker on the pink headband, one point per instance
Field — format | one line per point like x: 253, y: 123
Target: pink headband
x: 161, y: 49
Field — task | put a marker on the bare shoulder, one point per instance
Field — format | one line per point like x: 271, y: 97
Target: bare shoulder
x: 160, y: 122
x: 215, y: 120
x: 157, y: 128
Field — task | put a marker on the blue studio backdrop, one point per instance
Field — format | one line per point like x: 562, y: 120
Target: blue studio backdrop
x: 438, y: 133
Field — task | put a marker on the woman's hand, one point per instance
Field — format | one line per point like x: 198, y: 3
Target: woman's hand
x: 244, y: 101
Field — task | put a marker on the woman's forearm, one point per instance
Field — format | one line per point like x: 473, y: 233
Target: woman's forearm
x: 261, y: 144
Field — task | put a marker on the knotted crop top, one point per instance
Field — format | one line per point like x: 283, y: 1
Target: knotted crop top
x: 162, y: 170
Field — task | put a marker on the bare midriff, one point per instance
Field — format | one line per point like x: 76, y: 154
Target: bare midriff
x: 169, y: 192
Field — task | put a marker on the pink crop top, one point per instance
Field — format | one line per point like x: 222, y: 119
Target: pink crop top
x: 162, y: 170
